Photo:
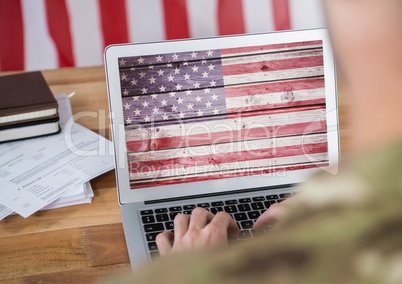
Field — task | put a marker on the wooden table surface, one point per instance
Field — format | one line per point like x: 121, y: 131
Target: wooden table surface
x: 76, y: 244
x: 82, y: 243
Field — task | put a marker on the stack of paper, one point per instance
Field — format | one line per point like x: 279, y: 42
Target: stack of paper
x: 52, y: 171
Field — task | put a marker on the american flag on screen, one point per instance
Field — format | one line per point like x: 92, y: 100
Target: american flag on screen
x: 200, y: 115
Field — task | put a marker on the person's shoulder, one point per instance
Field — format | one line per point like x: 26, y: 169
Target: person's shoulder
x: 370, y: 177
x: 344, y: 228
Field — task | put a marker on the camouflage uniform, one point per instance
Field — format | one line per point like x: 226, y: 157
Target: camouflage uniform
x: 344, y: 229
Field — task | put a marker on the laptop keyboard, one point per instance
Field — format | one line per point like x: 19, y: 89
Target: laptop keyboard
x: 243, y: 210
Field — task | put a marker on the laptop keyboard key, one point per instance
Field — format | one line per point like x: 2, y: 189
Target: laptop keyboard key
x: 247, y: 224
x: 148, y: 219
x: 152, y: 246
x: 253, y: 215
x: 161, y: 210
x: 240, y: 216
x: 259, y: 199
x: 230, y: 209
x: 188, y: 207
x: 245, y: 234
x: 245, y: 200
x: 204, y: 205
x: 272, y: 197
x: 216, y: 204
x: 231, y: 202
x: 215, y: 210
x: 244, y: 207
x: 285, y: 195
x: 268, y: 203
x: 169, y: 226
x: 162, y: 217
x: 175, y: 209
x: 257, y: 206
x: 151, y: 237
x: 153, y: 227
x: 172, y: 215
x: 147, y: 212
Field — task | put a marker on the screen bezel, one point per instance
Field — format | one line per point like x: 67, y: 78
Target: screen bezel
x: 113, y: 52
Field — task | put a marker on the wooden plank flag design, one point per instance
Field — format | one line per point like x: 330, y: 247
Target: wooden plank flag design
x: 201, y: 115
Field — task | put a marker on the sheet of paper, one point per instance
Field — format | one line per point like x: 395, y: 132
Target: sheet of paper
x: 80, y: 195
x: 4, y: 212
x: 36, y: 172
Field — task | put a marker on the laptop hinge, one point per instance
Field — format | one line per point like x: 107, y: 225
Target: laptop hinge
x: 155, y: 201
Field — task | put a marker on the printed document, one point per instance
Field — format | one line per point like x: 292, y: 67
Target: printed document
x: 35, y: 172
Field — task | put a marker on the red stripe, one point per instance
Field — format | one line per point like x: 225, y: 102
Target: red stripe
x: 274, y: 87
x: 281, y: 14
x: 214, y: 176
x: 249, y: 110
x: 59, y: 29
x: 273, y: 65
x: 230, y: 157
x: 114, y: 21
x: 200, y: 139
x: 230, y: 17
x: 12, y: 36
x: 226, y: 136
x: 260, y: 48
x: 176, y: 22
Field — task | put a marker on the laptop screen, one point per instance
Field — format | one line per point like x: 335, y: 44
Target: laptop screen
x: 212, y: 115
x: 223, y: 113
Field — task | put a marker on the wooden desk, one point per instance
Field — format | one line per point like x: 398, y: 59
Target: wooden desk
x: 77, y: 244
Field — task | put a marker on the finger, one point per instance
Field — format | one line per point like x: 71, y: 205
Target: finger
x: 199, y: 218
x: 226, y: 221
x: 181, y: 222
x: 272, y: 214
x: 164, y: 241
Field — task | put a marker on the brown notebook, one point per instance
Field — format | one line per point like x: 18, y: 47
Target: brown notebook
x: 25, y: 97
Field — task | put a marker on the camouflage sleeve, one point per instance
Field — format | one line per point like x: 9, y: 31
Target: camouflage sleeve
x: 343, y: 229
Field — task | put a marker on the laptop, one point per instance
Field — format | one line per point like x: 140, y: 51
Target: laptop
x: 228, y: 123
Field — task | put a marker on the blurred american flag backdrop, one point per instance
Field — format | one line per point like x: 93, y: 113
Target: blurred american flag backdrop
x: 46, y: 34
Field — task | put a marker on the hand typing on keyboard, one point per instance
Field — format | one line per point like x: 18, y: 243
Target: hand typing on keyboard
x: 272, y: 214
x: 196, y: 231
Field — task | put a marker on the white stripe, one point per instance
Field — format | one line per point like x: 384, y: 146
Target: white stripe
x: 274, y: 75
x: 249, y: 146
x: 145, y: 20
x: 275, y: 98
x: 163, y: 173
x: 306, y: 14
x: 258, y: 16
x: 177, y: 130
x: 284, y: 49
x: 202, y: 18
x: 85, y: 32
x: 40, y: 51
x: 241, y: 168
x: 265, y: 57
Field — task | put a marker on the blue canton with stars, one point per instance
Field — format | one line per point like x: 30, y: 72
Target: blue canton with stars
x: 172, y: 88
